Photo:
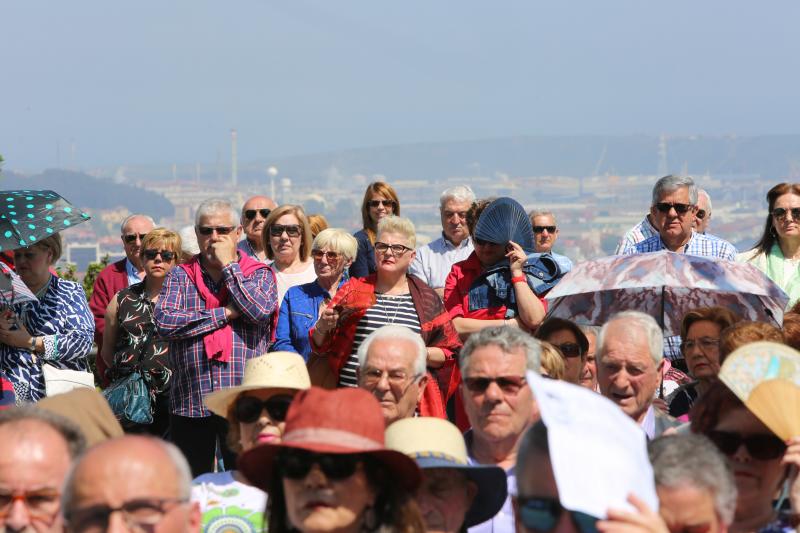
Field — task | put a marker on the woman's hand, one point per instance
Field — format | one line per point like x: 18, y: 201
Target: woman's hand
x: 17, y: 338
x: 792, y: 459
x: 643, y: 520
x: 328, y: 318
x: 516, y: 258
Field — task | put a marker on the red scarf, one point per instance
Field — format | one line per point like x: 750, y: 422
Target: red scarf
x: 218, y: 343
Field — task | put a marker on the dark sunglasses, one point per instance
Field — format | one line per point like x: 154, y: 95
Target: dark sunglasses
x: 248, y: 408
x: 221, y: 230
x: 569, y: 349
x: 292, y: 230
x: 250, y: 214
x: 780, y: 213
x: 296, y: 464
x: 543, y: 514
x: 166, y: 255
x: 540, y: 229
x: 701, y: 214
x: 508, y: 384
x: 664, y: 207
x: 319, y: 254
x: 378, y: 203
x: 131, y: 237
x: 763, y: 447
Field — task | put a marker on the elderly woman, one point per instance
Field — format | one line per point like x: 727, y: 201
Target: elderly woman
x: 333, y: 251
x: 777, y: 253
x: 332, y: 471
x: 56, y: 329
x: 287, y: 240
x: 390, y: 296
x: 130, y: 342
x: 380, y: 201
x: 256, y: 414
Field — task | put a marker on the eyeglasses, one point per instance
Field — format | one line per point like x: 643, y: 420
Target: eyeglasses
x: 140, y: 515
x: 130, y: 238
x: 396, y: 378
x: 292, y: 230
x: 397, y: 249
x: 780, y: 213
x: 763, y: 447
x: 330, y: 256
x: 543, y: 514
x: 378, y: 203
x: 508, y: 384
x: 701, y: 214
x: 42, y: 504
x: 540, y: 229
x: 569, y: 349
x: 664, y: 207
x: 705, y: 343
x: 250, y: 214
x: 221, y: 230
x: 248, y: 408
x: 166, y: 255
x: 296, y: 464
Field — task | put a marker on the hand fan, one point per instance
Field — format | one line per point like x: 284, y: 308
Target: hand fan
x: 766, y: 377
x: 353, y: 300
x: 505, y: 220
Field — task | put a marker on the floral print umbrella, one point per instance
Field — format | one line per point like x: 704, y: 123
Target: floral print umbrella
x: 27, y: 217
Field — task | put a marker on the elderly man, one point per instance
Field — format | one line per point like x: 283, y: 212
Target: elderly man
x: 119, y: 275
x: 629, y: 364
x: 215, y: 311
x: 499, y: 403
x: 132, y: 483
x: 589, y: 374
x: 392, y: 367
x: 38, y: 447
x: 254, y: 212
x: 434, y: 260
x: 673, y: 211
x: 695, y: 486
x: 702, y: 217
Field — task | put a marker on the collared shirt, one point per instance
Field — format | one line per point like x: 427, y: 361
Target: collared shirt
x: 246, y: 247
x: 434, y: 260
x: 133, y: 273
x: 182, y: 318
x: 649, y: 423
x: 699, y: 244
x: 640, y: 232
x: 503, y: 521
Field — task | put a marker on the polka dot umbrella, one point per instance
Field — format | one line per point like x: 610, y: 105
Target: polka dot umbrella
x: 27, y: 217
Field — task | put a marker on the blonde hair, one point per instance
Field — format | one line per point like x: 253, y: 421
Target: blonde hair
x: 317, y: 223
x: 337, y: 240
x: 168, y: 238
x: 403, y: 226
x: 305, y: 229
x: 552, y: 361
x: 52, y: 243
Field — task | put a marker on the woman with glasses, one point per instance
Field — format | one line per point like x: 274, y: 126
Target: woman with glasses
x: 287, y: 240
x: 777, y: 253
x: 390, y: 296
x: 130, y: 342
x: 332, y: 251
x: 380, y: 201
x: 571, y: 343
x: 256, y: 414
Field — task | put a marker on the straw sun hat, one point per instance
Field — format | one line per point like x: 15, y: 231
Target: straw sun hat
x: 276, y: 370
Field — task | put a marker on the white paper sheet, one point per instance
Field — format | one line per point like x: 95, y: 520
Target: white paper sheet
x: 599, y: 454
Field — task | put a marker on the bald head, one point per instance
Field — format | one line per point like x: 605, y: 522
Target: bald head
x: 253, y: 217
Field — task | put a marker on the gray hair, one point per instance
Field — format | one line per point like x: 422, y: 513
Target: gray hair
x: 541, y: 213
x: 671, y: 183
x: 507, y: 339
x: 691, y: 460
x: 338, y: 240
x: 534, y: 441
x: 214, y: 206
x: 459, y: 193
x: 131, y: 217
x: 590, y: 330
x: 76, y: 442
x: 644, y: 323
x: 708, y: 198
x: 395, y: 332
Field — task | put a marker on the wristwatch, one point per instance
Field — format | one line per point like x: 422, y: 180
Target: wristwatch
x: 32, y: 345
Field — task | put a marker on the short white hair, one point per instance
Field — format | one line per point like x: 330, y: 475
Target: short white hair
x: 214, y: 206
x: 671, y: 183
x: 508, y: 339
x: 459, y: 193
x: 708, y: 198
x: 643, y: 323
x: 395, y: 332
x: 131, y: 217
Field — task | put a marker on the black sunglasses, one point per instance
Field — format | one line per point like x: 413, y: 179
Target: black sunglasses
x: 221, y: 230
x: 664, y: 207
x: 701, y: 214
x: 378, y: 203
x: 763, y: 447
x: 250, y: 214
x: 248, y: 408
x: 166, y: 255
x: 540, y: 229
x: 296, y: 464
x: 131, y: 237
x: 780, y: 213
x: 292, y: 230
x: 508, y: 384
x: 569, y: 349
x: 543, y: 514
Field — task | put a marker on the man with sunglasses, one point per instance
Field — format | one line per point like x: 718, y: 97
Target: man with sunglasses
x: 254, y: 212
x: 702, y: 217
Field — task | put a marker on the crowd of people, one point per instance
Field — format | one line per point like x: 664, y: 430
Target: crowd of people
x: 281, y: 375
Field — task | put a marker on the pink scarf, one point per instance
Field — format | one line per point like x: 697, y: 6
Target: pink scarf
x: 218, y: 343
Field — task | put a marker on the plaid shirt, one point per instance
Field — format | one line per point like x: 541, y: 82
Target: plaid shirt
x: 182, y: 318
x: 700, y: 244
x: 640, y: 232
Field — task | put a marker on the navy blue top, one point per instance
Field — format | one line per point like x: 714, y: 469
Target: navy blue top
x: 364, y: 263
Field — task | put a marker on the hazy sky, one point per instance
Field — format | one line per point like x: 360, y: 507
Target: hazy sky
x: 165, y: 81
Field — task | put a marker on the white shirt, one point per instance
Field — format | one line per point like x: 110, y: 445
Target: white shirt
x: 434, y: 260
x: 286, y: 280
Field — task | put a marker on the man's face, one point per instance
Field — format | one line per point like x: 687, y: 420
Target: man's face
x: 545, y: 232
x: 444, y: 499
x: 703, y: 214
x: 33, y: 466
x: 454, y: 220
x: 626, y: 372
x: 538, y: 481
x: 253, y: 217
x: 215, y: 227
x: 687, y: 508
x: 496, y: 414
x: 389, y: 375
x: 132, y: 234
x: 589, y: 374
x: 675, y: 226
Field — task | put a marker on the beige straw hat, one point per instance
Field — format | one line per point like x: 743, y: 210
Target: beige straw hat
x: 276, y: 370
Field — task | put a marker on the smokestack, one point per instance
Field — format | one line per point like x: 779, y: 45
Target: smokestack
x: 234, y: 159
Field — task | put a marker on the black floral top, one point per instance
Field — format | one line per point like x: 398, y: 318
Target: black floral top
x: 138, y: 344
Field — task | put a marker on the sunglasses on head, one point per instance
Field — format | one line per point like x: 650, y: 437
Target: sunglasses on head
x: 166, y: 255
x: 540, y: 229
x: 296, y: 464
x: 378, y: 203
x: 780, y: 213
x: 569, y: 349
x: 319, y: 254
x: 221, y: 230
x: 543, y: 514
x: 664, y: 207
x: 508, y: 384
x: 701, y: 214
x: 248, y: 408
x: 762, y: 447
x: 130, y: 238
x: 292, y: 230
x: 250, y: 214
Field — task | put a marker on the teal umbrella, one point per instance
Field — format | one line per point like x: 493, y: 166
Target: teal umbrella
x: 27, y: 217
